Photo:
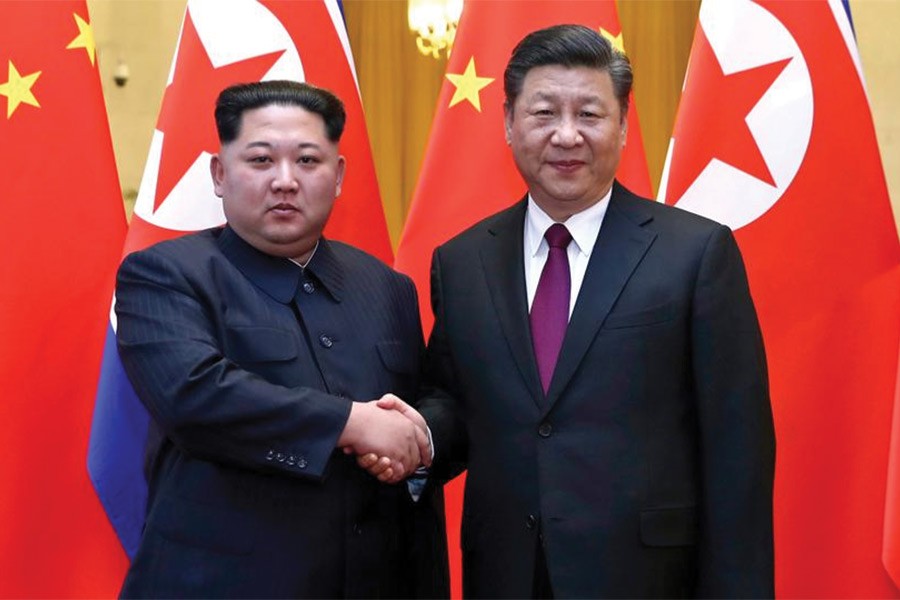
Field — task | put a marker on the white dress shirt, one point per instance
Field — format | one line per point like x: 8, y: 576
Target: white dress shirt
x: 583, y: 226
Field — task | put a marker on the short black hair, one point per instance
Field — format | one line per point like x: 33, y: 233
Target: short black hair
x: 568, y: 46
x: 233, y: 101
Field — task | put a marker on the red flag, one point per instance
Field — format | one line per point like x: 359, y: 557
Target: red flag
x: 891, y: 545
x: 468, y: 172
x: 222, y: 44
x: 774, y: 137
x: 62, y: 225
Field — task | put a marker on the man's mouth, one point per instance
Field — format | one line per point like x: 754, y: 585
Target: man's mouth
x: 283, y: 207
x: 566, y: 166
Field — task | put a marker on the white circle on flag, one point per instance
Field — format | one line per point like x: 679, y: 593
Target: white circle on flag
x: 744, y: 35
x: 230, y: 32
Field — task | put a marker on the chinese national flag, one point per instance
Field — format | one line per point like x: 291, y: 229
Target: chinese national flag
x: 222, y: 44
x: 62, y: 225
x: 468, y: 171
x: 774, y: 137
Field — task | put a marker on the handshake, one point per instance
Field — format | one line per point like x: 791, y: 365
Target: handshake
x: 389, y: 438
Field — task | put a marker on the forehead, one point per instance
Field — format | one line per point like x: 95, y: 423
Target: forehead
x: 282, y: 120
x: 559, y: 81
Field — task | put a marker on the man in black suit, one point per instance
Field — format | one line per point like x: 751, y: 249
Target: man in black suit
x: 256, y: 349
x: 619, y: 442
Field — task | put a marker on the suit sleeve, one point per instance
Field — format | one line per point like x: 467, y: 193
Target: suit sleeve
x: 737, y: 439
x: 205, y: 403
x: 439, y: 404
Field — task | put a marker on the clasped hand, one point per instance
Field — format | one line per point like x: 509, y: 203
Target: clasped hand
x: 389, y: 438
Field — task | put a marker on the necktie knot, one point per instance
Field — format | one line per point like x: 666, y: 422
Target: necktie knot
x: 558, y: 236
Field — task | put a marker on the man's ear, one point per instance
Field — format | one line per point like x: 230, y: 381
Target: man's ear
x: 341, y: 169
x: 507, y: 122
x: 217, y: 170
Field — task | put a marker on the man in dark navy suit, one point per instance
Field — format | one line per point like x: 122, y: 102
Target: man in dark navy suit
x: 598, y: 365
x: 257, y: 349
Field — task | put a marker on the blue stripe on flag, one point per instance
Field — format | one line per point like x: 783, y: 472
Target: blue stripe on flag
x: 846, y: 5
x: 116, y: 450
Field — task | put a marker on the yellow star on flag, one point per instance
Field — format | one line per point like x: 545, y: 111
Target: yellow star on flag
x: 17, y: 89
x: 616, y: 40
x: 468, y: 85
x: 85, y: 38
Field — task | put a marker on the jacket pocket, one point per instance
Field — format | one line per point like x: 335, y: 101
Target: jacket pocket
x: 398, y: 357
x: 637, y: 318
x: 211, y: 528
x: 667, y: 527
x: 259, y: 344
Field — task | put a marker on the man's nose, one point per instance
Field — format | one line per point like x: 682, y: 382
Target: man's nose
x: 567, y: 133
x: 285, y: 179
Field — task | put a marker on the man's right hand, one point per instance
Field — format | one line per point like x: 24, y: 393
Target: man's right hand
x: 392, y: 402
x: 389, y: 443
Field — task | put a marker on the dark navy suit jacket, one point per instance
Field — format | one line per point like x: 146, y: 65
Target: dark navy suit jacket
x: 248, y: 365
x: 647, y: 469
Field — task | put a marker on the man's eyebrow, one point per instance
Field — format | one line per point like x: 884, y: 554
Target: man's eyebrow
x: 264, y: 144
x: 542, y: 95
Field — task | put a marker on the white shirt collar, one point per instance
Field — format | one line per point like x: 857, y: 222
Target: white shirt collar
x: 304, y: 265
x: 584, y: 226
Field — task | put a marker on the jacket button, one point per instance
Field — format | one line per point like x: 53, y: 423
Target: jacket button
x: 326, y: 341
x: 545, y: 430
x: 301, y: 463
x: 270, y: 455
x: 308, y: 287
x: 291, y: 460
x: 530, y: 522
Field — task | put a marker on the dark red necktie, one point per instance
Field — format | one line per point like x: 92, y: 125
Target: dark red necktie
x: 550, y: 308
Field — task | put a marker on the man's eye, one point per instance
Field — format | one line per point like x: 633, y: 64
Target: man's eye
x: 259, y: 159
x: 307, y: 160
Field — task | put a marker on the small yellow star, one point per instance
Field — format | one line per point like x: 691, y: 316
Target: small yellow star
x: 468, y: 85
x: 85, y: 38
x: 17, y: 89
x: 616, y: 40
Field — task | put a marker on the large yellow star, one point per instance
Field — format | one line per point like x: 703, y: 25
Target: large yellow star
x: 616, y: 40
x: 85, y: 38
x: 17, y: 89
x: 468, y: 85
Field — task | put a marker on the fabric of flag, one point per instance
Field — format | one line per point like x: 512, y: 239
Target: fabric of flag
x: 468, y: 171
x: 222, y: 44
x: 774, y: 137
x: 62, y: 225
x: 891, y: 544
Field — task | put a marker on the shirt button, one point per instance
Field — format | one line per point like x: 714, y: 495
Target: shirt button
x: 530, y: 522
x: 308, y: 287
x: 545, y: 430
x: 326, y: 341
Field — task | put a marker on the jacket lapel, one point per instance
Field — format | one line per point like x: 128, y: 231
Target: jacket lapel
x: 503, y: 263
x: 621, y: 245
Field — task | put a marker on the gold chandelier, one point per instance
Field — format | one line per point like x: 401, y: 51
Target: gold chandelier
x: 434, y: 23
